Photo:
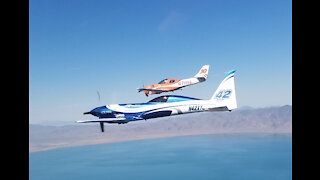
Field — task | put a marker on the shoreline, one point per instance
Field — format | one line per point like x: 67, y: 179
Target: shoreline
x: 147, y: 137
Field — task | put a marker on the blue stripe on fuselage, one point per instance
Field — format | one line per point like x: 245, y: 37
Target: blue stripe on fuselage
x: 104, y: 112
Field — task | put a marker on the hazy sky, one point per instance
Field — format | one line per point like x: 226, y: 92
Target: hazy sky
x: 80, y: 47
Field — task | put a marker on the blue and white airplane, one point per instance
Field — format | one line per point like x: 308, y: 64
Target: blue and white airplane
x: 224, y: 99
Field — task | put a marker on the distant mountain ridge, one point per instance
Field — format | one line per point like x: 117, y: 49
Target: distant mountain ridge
x: 242, y: 120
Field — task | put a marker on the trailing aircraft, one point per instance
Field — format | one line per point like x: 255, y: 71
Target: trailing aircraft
x: 223, y: 99
x: 172, y: 84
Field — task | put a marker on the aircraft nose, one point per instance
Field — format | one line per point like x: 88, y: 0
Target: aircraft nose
x: 95, y: 111
x: 92, y: 112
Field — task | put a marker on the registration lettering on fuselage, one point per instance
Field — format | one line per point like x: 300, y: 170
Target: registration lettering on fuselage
x: 119, y: 115
x: 195, y: 108
x: 183, y: 83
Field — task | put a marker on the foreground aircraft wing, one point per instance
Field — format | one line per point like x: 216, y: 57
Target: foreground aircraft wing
x: 104, y: 120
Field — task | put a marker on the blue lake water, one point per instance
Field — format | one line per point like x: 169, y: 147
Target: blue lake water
x: 229, y: 156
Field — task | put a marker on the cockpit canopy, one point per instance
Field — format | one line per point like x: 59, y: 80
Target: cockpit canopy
x: 172, y: 98
x: 169, y: 81
x: 163, y: 81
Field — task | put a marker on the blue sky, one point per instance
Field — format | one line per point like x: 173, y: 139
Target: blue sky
x: 77, y: 48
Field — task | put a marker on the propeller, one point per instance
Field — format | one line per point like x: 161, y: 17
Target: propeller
x: 99, y: 97
x: 140, y: 88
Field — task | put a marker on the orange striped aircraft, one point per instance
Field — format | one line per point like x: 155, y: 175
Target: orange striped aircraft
x: 172, y: 84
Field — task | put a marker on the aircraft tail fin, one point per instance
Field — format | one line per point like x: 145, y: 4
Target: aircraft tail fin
x: 225, y: 95
x: 203, y: 73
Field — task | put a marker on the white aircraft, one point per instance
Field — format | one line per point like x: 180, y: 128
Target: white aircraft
x: 223, y: 99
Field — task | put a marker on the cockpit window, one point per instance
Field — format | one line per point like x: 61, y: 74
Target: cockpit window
x: 172, y: 98
x: 172, y: 81
x: 160, y: 99
x: 163, y: 81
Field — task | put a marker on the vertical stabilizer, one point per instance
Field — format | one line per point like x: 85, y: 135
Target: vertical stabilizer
x: 225, y: 95
x: 203, y: 73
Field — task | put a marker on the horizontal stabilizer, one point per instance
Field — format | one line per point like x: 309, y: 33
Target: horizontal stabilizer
x: 223, y: 108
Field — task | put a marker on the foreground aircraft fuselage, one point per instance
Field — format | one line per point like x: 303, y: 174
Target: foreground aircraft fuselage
x: 172, y: 84
x: 224, y: 99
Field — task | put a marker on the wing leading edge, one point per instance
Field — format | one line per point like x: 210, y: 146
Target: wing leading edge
x: 154, y: 90
x: 105, y: 120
